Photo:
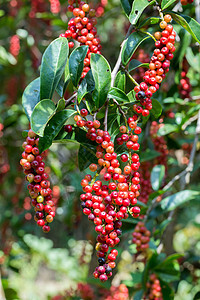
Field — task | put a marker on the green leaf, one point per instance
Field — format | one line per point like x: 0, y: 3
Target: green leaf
x: 31, y: 97
x: 53, y: 128
x: 87, y: 86
x: 149, y: 21
x: 102, y: 77
x: 167, y: 129
x: 167, y: 291
x: 134, y: 64
x: 157, y: 176
x: 42, y: 112
x: 52, y: 67
x: 148, y: 155
x: 156, y: 108
x: 120, y: 80
x: 191, y: 25
x: 185, y: 39
x: 131, y: 44
x: 193, y: 60
x: 118, y: 95
x: 76, y: 63
x: 60, y: 105
x: 86, y: 156
x: 137, y: 9
x: 139, y: 295
x: 171, y: 202
x: 166, y: 3
x: 127, y: 5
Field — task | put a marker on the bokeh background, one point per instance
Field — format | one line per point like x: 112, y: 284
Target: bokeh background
x: 35, y: 266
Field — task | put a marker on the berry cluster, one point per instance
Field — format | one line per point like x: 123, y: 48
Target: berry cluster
x: 14, y: 45
x: 185, y: 86
x: 154, y: 289
x: 55, y: 6
x: 82, y: 29
x: 143, y: 58
x: 37, y: 6
x: 145, y: 181
x: 158, y: 67
x: 185, y: 2
x: 100, y: 8
x: 39, y: 185
x: 141, y: 237
x: 107, y: 204
x: 160, y: 144
x: 116, y: 293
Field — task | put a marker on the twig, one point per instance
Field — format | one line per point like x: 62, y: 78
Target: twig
x: 192, y: 119
x: 159, y: 10
x: 119, y: 60
x: 68, y: 101
x: 130, y: 77
x: 121, y: 111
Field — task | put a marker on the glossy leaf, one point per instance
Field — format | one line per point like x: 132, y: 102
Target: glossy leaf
x: 137, y: 9
x: 171, y: 202
x: 167, y: 291
x: 52, y: 67
x: 148, y: 155
x: 149, y: 21
x: 87, y: 86
x: 157, y: 175
x: 53, y: 128
x: 41, y: 115
x: 60, y: 105
x: 190, y: 24
x: 139, y: 295
x: 31, y: 97
x: 156, y: 108
x: 120, y: 80
x: 193, y: 60
x: 86, y: 156
x: 166, y: 3
x: 131, y: 44
x: 134, y: 64
x: 118, y: 95
x: 76, y: 63
x: 167, y: 129
x: 127, y: 5
x: 102, y: 76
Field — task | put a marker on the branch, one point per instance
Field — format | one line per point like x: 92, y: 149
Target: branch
x: 121, y: 111
x: 119, y: 60
x: 106, y: 117
x: 192, y: 119
x: 68, y: 101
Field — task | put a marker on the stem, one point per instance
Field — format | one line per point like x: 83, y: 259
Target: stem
x: 121, y: 111
x: 68, y: 101
x: 160, y: 11
x: 131, y: 78
x: 148, y: 33
x: 119, y: 60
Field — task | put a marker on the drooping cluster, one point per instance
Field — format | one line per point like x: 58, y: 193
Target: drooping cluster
x: 14, y: 45
x: 141, y: 237
x: 158, y: 67
x: 106, y: 202
x: 185, y: 87
x: 55, y: 6
x: 145, y: 181
x: 160, y: 144
x: 185, y: 2
x: 37, y: 6
x: 101, y: 8
x: 39, y: 185
x: 143, y: 58
x: 82, y: 28
x: 154, y: 289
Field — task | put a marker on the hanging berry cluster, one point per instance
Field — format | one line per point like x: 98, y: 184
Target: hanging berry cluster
x: 159, y: 66
x: 185, y: 87
x: 82, y: 28
x: 107, y: 203
x: 145, y: 181
x: 39, y: 185
x: 55, y: 6
x: 141, y: 237
x: 14, y: 45
x: 154, y: 289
